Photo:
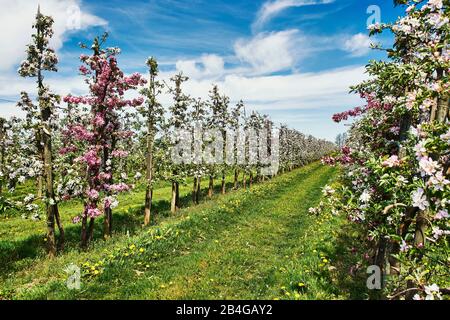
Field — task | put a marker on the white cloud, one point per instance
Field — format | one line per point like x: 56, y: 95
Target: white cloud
x: 272, y: 8
x: 294, y: 91
x: 309, y: 90
x: 207, y: 66
x: 357, y: 45
x: 17, y: 17
x: 269, y: 52
x: 265, y: 53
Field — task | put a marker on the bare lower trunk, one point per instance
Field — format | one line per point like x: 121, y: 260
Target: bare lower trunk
x: 236, y: 179
x: 51, y: 242
x: 250, y: 179
x: 421, y: 225
x: 224, y: 185
x: 173, y: 203
x: 107, y: 225
x: 177, y: 195
x: 91, y: 230
x: 148, y: 205
x: 244, y: 181
x: 84, y: 233
x: 211, y: 187
x: 62, y: 236
x: 194, y: 191
x: 199, y: 190
x: 39, y: 187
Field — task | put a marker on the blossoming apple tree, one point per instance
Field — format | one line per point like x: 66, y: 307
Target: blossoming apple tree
x: 95, y: 140
x: 396, y: 162
x: 41, y: 58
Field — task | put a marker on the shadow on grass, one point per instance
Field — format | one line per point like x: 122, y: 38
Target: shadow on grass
x: 18, y: 254
x: 349, y: 278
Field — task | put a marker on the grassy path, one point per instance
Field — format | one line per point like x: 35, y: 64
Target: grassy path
x: 243, y: 261
x: 258, y: 244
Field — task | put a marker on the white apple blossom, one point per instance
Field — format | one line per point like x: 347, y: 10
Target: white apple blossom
x: 419, y: 200
x: 432, y: 292
x: 428, y: 166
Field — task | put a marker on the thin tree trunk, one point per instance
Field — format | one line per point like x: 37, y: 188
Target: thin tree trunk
x: 244, y: 180
x: 149, y: 175
x: 194, y: 191
x: 199, y: 190
x: 107, y: 224
x: 62, y: 235
x: 148, y: 205
x: 224, y: 185
x: 211, y: 187
x: 84, y: 233
x: 91, y: 230
x: 177, y: 197
x: 251, y: 179
x: 173, y: 204
x: 236, y: 179
x: 39, y: 186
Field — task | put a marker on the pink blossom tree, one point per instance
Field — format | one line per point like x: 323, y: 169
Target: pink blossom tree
x: 95, y: 141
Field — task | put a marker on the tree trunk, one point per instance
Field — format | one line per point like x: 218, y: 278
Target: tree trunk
x: 199, y: 190
x: 211, y: 187
x: 107, y: 224
x: 177, y: 198
x: 244, y: 180
x: 39, y: 186
x: 443, y: 109
x: 173, y: 203
x: 421, y: 225
x: 62, y: 235
x: 84, y: 233
x: 91, y: 229
x: 224, y: 185
x: 194, y: 191
x: 149, y: 175
x: 236, y: 179
x: 148, y: 205
x: 250, y: 179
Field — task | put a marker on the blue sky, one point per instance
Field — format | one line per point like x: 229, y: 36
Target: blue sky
x: 291, y: 59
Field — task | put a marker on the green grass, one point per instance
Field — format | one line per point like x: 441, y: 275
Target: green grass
x: 254, y: 244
